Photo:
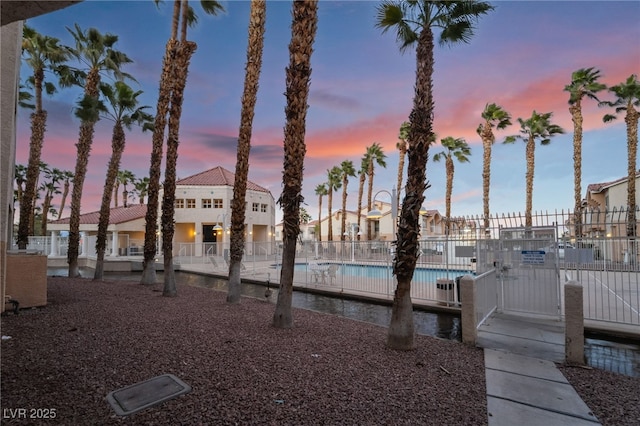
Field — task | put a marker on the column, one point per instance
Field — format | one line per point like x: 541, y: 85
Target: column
x: 54, y: 244
x: 85, y: 243
x: 114, y: 243
x: 197, y: 230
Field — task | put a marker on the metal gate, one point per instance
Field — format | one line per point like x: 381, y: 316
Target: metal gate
x: 528, y: 273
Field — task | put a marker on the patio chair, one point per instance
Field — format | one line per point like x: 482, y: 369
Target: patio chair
x: 331, y: 272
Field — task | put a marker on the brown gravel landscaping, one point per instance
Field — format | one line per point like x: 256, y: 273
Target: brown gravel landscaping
x: 96, y: 337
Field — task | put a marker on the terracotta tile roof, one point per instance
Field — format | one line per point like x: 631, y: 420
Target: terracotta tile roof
x: 597, y: 187
x: 117, y: 215
x: 218, y: 176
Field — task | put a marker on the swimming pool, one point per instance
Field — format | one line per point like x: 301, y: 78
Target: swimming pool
x: 420, y: 274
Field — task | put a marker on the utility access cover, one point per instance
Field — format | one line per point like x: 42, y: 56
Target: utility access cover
x: 139, y: 396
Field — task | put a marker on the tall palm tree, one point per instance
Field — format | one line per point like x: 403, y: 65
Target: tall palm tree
x: 303, y: 32
x: 538, y: 126
x: 346, y: 170
x: 334, y: 182
x: 453, y: 147
x: 123, y: 177
x: 20, y: 176
x: 67, y: 176
x: 142, y: 188
x: 51, y: 187
x: 362, y: 177
x: 41, y: 53
x: 177, y: 54
x: 257, y: 17
x: 121, y: 108
x: 414, y: 22
x: 96, y: 52
x: 402, y: 152
x: 375, y: 156
x: 494, y: 116
x: 627, y: 99
x: 321, y: 191
x: 584, y: 82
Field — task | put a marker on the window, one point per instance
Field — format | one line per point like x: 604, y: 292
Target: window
x: 191, y: 203
x: 206, y: 203
x: 255, y: 207
x: 179, y: 203
x: 263, y: 208
x: 217, y: 203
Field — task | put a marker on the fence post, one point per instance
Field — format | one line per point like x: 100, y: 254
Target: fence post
x: 468, y: 310
x: 574, y: 323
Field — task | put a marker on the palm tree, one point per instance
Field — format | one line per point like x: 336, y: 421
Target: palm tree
x: 321, y: 191
x: 257, y: 17
x: 168, y: 80
x: 402, y: 152
x: 628, y: 99
x: 298, y: 72
x: 95, y: 51
x: 362, y: 176
x: 375, y: 156
x: 67, y: 176
x: 584, y: 82
x: 538, y: 126
x: 346, y: 170
x: 453, y: 147
x: 334, y: 183
x: 125, y: 177
x: 122, y: 108
x: 414, y: 22
x: 51, y: 187
x: 41, y: 53
x: 20, y: 176
x: 494, y: 116
x: 142, y: 188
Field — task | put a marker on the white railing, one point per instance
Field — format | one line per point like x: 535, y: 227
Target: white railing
x: 487, y: 295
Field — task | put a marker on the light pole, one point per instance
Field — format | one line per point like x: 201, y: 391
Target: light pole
x: 219, y: 228
x: 352, y: 234
x: 377, y: 214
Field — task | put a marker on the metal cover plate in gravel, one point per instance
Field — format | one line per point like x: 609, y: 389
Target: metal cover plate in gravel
x: 139, y: 396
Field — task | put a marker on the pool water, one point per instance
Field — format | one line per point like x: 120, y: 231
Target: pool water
x: 384, y: 271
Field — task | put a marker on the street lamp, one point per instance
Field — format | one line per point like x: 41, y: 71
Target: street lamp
x: 377, y: 214
x: 352, y: 234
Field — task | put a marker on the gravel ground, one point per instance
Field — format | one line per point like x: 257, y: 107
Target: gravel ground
x: 96, y: 337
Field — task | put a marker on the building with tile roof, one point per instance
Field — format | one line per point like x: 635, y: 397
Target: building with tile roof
x: 202, y: 219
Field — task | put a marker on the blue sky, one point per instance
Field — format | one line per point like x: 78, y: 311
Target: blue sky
x: 521, y: 57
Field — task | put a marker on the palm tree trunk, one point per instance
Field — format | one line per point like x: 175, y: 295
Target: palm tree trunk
x: 117, y: 147
x: 303, y: 30
x: 631, y: 119
x: 85, y: 140
x: 329, y: 215
x: 401, y: 333
x: 84, y: 149
x: 360, y: 193
x: 487, y: 138
x: 183, y: 56
x: 449, y: 190
x: 320, y: 218
x: 249, y: 97
x: 576, y: 117
x: 343, y: 225
x: 369, y: 200
x: 65, y: 193
x: 38, y: 125
x: 530, y: 153
x: 151, y: 216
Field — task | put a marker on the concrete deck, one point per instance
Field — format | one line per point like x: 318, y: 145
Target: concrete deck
x: 524, y: 386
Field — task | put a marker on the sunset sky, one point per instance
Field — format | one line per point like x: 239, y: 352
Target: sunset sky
x: 521, y: 57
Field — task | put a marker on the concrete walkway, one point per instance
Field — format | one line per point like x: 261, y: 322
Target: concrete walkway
x: 524, y: 386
